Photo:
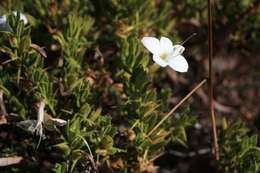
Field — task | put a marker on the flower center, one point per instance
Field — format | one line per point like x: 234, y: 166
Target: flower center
x: 163, y: 56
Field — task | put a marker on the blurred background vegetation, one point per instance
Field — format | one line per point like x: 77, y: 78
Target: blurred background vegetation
x: 99, y: 78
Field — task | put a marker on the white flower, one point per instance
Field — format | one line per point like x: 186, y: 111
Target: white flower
x: 165, y: 53
x: 4, y: 26
x: 40, y: 119
x: 22, y: 17
x: 3, y: 19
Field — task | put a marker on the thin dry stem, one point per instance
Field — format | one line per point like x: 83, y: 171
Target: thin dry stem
x: 177, y: 106
x: 2, y: 105
x: 3, y: 113
x: 210, y: 81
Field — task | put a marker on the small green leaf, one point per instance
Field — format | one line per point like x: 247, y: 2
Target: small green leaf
x: 94, y: 115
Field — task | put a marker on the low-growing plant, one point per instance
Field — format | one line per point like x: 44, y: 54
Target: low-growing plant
x: 78, y: 91
x: 108, y: 113
x: 239, y: 149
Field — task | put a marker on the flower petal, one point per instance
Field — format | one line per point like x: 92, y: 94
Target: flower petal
x: 3, y: 19
x: 178, y: 63
x: 58, y: 121
x: 177, y: 50
x: 159, y: 61
x: 166, y: 45
x: 22, y: 17
x: 152, y: 44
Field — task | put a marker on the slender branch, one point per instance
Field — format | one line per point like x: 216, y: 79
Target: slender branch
x: 3, y: 113
x: 2, y: 105
x: 210, y: 81
x: 177, y: 106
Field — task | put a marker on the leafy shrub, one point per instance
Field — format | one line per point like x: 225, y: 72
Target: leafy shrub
x: 239, y: 149
x: 97, y: 77
x: 109, y: 101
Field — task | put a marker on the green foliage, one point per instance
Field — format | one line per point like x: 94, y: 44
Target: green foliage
x: 239, y: 150
x: 98, y: 78
x: 106, y: 123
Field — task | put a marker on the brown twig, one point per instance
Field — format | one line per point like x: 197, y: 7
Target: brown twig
x: 3, y: 112
x: 210, y: 81
x: 39, y: 49
x: 2, y: 105
x: 177, y: 106
x: 7, y: 161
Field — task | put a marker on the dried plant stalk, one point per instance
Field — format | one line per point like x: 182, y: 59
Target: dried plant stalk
x: 210, y: 81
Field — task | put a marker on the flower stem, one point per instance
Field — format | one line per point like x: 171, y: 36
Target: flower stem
x: 210, y: 81
x: 177, y: 106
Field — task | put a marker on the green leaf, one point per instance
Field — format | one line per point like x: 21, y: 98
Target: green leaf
x: 94, y: 114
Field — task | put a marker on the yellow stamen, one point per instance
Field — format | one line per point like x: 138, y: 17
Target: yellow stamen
x: 163, y: 56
